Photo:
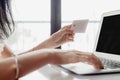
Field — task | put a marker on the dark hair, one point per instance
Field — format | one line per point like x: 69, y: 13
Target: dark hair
x: 6, y: 20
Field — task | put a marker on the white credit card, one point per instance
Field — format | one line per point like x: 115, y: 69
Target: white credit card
x: 79, y: 26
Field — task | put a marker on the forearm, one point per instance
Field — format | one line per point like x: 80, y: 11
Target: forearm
x: 33, y: 60
x: 27, y: 63
x: 48, y: 43
x: 7, y: 69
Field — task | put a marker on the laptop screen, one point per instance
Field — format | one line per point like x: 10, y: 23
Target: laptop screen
x: 109, y: 38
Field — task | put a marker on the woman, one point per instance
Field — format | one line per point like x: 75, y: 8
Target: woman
x: 13, y: 67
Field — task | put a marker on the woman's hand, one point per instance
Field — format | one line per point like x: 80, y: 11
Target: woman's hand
x: 66, y: 57
x: 62, y: 36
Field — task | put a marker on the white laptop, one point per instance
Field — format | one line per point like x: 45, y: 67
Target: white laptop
x: 107, y: 47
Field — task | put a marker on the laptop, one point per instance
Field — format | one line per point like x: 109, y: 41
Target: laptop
x: 107, y: 47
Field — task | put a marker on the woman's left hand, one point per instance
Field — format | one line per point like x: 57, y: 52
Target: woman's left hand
x: 62, y: 36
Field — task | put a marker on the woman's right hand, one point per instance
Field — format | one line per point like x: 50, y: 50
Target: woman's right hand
x: 73, y: 56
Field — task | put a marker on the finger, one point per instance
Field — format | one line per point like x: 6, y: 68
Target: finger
x: 96, y: 62
x: 67, y: 35
x: 67, y: 26
x: 62, y: 34
x: 64, y: 38
x: 70, y: 37
x: 67, y: 30
x: 97, y: 59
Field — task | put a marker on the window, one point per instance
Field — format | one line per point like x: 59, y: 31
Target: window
x: 85, y: 9
x: 32, y: 18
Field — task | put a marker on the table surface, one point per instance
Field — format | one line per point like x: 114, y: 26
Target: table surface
x: 54, y: 73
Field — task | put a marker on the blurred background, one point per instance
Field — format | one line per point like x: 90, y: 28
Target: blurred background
x: 32, y: 18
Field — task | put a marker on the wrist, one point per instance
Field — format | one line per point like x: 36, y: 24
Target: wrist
x: 50, y: 43
x: 54, y: 58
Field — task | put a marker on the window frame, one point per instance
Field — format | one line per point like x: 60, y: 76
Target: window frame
x: 55, y: 16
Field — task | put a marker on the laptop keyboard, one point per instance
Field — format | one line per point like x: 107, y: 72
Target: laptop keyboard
x: 110, y: 63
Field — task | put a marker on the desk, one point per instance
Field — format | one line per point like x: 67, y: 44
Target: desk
x: 53, y: 73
